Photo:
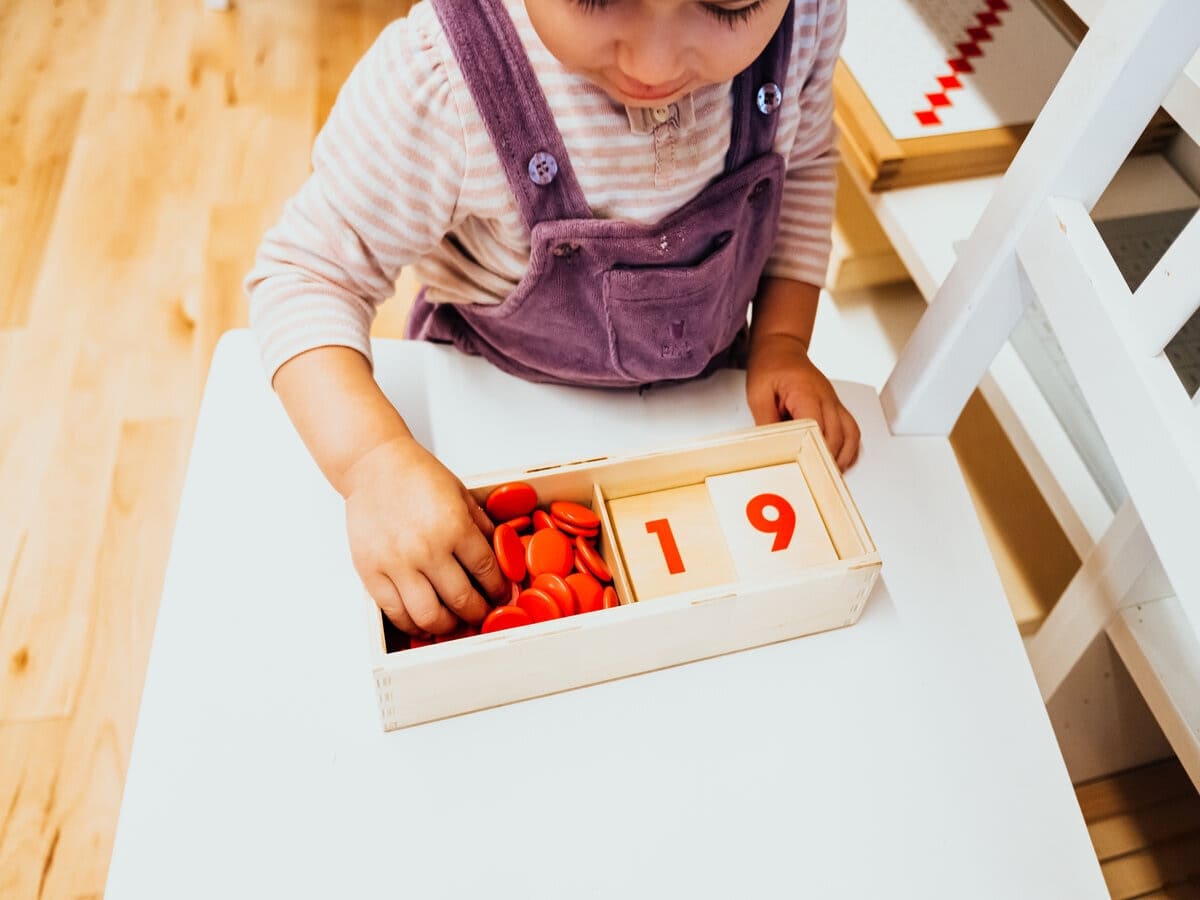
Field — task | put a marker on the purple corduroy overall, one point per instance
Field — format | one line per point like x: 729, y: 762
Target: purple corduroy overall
x: 610, y: 303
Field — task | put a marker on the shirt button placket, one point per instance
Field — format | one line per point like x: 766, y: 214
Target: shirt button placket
x: 664, y: 147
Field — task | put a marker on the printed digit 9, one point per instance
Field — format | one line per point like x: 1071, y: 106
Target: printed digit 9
x: 782, y: 524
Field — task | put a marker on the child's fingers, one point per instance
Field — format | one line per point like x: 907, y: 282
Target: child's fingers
x: 831, y: 427
x: 851, y: 442
x: 763, y: 406
x: 455, y: 590
x: 475, y: 553
x: 805, y: 406
x: 423, y: 606
x: 387, y: 598
x: 481, y: 519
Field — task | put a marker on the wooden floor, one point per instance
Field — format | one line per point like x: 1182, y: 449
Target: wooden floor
x: 144, y: 148
x: 1145, y: 826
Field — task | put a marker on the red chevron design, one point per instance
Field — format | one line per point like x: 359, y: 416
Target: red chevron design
x: 988, y: 19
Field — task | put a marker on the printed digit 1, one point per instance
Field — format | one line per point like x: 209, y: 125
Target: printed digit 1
x: 661, y: 528
x: 783, y: 526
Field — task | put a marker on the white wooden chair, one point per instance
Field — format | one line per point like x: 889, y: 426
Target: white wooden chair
x: 1141, y: 582
x: 908, y: 755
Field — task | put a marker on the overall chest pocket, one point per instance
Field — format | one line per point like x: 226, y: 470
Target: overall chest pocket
x: 668, y: 323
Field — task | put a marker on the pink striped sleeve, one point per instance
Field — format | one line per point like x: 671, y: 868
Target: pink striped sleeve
x: 803, y: 246
x: 388, y: 169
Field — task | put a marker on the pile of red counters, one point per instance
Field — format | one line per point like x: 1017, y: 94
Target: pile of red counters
x: 550, y: 557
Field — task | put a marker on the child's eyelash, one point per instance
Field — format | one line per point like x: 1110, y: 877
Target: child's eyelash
x: 734, y: 16
x: 722, y: 14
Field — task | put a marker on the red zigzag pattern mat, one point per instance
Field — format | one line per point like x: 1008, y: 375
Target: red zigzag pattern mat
x: 986, y: 21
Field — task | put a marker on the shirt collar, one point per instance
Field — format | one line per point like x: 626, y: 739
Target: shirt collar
x: 681, y: 115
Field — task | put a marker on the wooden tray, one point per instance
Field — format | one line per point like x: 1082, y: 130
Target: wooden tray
x: 432, y: 682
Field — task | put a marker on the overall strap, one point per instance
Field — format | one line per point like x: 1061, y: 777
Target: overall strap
x: 757, y: 96
x: 514, y: 109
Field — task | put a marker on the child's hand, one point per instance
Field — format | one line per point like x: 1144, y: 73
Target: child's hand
x: 417, y: 538
x: 782, y: 383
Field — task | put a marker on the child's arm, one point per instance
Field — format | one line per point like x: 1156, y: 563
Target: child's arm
x: 388, y: 170
x: 781, y: 381
x: 415, y: 533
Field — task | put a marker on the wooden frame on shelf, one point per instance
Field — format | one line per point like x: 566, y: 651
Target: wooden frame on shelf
x: 882, y: 162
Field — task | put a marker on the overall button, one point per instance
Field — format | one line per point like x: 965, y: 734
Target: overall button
x: 769, y: 98
x: 542, y: 168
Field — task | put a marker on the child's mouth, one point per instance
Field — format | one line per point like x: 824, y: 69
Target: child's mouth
x: 649, y: 93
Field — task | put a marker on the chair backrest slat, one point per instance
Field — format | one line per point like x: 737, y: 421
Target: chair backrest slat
x: 1141, y: 408
x: 1115, y: 82
x: 1170, y: 295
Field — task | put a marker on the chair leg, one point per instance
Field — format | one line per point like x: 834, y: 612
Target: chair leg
x: 1090, y: 601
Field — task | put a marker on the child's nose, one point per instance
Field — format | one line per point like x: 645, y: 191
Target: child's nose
x: 653, y: 57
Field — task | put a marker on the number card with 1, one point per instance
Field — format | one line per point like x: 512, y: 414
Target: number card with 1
x: 770, y: 522
x: 670, y: 541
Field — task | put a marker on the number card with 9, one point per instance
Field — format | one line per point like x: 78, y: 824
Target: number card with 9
x: 771, y: 524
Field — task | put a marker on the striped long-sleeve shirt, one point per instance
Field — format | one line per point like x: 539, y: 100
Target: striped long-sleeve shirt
x: 404, y: 173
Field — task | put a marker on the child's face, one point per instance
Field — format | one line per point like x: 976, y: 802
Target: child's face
x: 653, y: 52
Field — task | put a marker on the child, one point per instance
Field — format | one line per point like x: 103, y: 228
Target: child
x: 592, y: 192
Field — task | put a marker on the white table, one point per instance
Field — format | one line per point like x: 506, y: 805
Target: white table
x: 907, y: 756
